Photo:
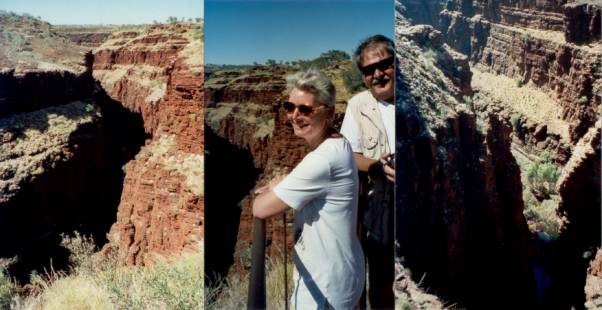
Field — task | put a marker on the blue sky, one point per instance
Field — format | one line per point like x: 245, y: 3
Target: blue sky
x: 243, y: 32
x: 105, y: 11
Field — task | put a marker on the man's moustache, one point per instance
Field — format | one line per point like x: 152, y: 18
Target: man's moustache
x: 380, y: 80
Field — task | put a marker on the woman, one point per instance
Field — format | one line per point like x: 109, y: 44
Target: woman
x: 322, y: 189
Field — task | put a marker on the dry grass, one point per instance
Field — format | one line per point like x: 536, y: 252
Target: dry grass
x: 97, y: 282
x: 8, y: 288
x: 145, y: 76
x: 28, y: 43
x: 234, y: 293
x: 193, y: 52
x: 526, y: 100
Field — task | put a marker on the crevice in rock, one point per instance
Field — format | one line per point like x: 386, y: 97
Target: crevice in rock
x: 231, y: 175
x: 78, y: 194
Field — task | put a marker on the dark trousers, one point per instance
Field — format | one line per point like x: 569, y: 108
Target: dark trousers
x: 381, y: 273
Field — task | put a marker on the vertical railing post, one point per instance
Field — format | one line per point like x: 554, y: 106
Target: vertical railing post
x: 257, y: 293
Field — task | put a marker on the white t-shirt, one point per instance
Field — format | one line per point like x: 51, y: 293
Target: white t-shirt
x: 350, y: 130
x: 329, y: 262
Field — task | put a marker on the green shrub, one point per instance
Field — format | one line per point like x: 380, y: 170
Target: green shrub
x: 526, y: 38
x: 515, y: 121
x: 468, y: 101
x: 583, y: 100
x: 542, y: 176
x: 352, y: 78
x: 541, y: 216
x: 520, y: 81
x: 431, y: 54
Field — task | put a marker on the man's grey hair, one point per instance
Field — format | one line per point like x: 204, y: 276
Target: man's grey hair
x: 370, y: 43
x: 314, y: 81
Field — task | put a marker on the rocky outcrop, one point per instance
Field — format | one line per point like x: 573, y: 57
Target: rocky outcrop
x: 532, y: 51
x: 35, y: 90
x: 55, y: 157
x: 582, y: 20
x: 579, y: 189
x: 458, y: 193
x: 87, y: 39
x: 593, y: 284
x: 158, y: 73
x: 531, y: 69
x: 31, y: 45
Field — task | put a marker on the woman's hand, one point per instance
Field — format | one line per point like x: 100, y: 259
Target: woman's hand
x: 270, y: 186
x: 266, y: 203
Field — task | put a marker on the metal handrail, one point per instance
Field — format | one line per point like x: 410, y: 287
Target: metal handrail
x: 256, y: 298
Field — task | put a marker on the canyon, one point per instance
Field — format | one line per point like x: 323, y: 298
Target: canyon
x: 523, y: 88
x: 107, y: 142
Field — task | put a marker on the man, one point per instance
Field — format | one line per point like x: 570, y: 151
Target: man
x: 369, y: 125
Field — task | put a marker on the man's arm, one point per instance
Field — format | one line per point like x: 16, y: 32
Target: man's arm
x: 364, y: 164
x: 373, y: 167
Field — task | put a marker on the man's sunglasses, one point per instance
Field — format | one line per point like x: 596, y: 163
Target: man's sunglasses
x: 381, y: 65
x: 303, y: 109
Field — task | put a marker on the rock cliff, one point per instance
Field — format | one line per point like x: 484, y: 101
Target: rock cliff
x: 459, y: 204
x: 531, y: 68
x: 70, y: 124
x: 62, y: 149
x: 158, y: 73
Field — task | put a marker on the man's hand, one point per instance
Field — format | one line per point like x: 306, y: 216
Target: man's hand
x: 387, y: 167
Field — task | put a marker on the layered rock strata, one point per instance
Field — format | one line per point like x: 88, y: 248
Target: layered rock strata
x: 539, y: 48
x: 62, y: 146
x: 579, y: 208
x: 459, y: 204
x: 535, y: 64
x: 158, y: 73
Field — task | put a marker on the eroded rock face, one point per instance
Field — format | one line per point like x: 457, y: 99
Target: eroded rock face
x: 579, y: 188
x: 582, y: 20
x: 532, y: 51
x: 158, y: 73
x: 531, y: 69
x: 459, y: 202
x: 60, y: 159
x: 593, y: 286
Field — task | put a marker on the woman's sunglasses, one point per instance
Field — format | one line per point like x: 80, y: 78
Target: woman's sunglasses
x: 381, y: 65
x: 303, y: 109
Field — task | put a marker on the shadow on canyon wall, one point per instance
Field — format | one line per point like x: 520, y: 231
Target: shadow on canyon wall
x: 81, y: 194
x: 230, y: 175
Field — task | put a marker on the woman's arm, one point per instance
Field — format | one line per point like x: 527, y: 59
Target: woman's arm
x: 267, y: 204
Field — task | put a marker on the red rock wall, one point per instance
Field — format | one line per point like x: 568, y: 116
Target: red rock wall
x: 162, y: 204
x: 459, y: 221
x: 568, y: 71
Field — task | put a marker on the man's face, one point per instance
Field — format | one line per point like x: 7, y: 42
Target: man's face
x: 379, y: 73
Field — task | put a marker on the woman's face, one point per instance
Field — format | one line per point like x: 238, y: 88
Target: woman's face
x: 309, y: 126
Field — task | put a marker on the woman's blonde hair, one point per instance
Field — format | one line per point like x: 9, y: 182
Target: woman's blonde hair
x: 316, y: 82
